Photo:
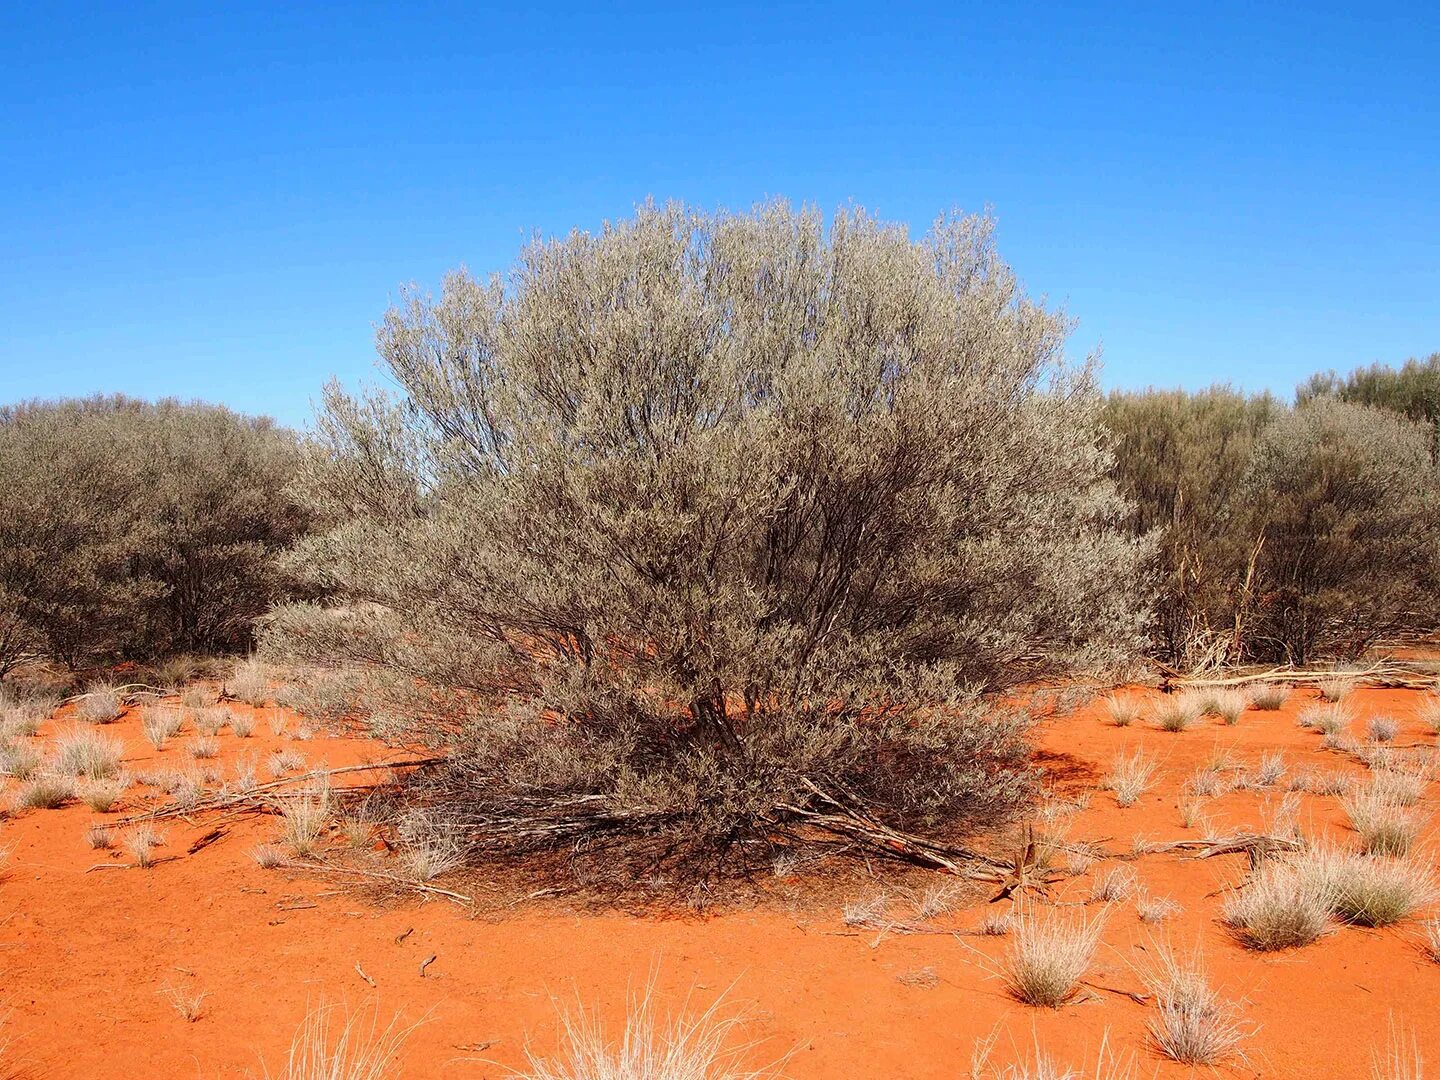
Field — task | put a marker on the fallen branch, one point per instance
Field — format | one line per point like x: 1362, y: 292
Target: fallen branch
x: 324, y: 868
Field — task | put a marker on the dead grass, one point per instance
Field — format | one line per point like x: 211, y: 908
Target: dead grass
x: 269, y: 856
x: 88, y: 753
x: 1113, y: 885
x: 688, y: 1046
x: 99, y: 836
x: 1228, y: 705
x: 203, y: 747
x: 354, y: 1048
x: 1130, y: 777
x: 1400, y: 1060
x: 304, y: 816
x: 1381, y: 729
x: 1331, y: 719
x: 1178, y: 712
x: 1428, y: 713
x: 1371, y: 891
x: 1430, y: 938
x: 1123, y: 711
x: 1281, y: 907
x: 44, y: 792
x: 141, y: 843
x: 283, y: 761
x: 241, y: 726
x: 102, y: 796
x: 1193, y: 1024
x: 102, y: 704
x: 189, y: 1004
x: 210, y: 720
x: 1155, y: 909
x: 249, y: 684
x: 1050, y: 952
x: 21, y: 762
x: 1383, y: 824
x: 197, y: 696
x: 1269, y: 697
x: 1337, y: 688
x: 160, y: 723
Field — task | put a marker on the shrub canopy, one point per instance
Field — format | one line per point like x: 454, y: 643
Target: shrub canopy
x: 728, y: 514
x: 130, y: 530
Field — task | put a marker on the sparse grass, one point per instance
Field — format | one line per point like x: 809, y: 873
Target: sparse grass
x: 19, y: 761
x: 1155, y: 909
x: 1207, y: 781
x: 1193, y: 1024
x: 245, y: 773
x: 1400, y: 1060
x: 1382, y: 729
x: 1192, y: 812
x: 1428, y: 712
x: 269, y: 856
x: 197, y: 696
x: 1271, y: 768
x: 275, y: 718
x: 204, y: 747
x: 429, y: 856
x: 689, y: 1046
x: 1281, y: 907
x: 1392, y: 781
x: 1130, y: 777
x: 241, y: 726
x: 249, y: 684
x: 1112, y: 885
x: 1123, y: 711
x: 1269, y: 697
x: 99, y: 836
x: 1040, y: 1066
x: 159, y: 723
x: 1336, y: 688
x: 994, y: 924
x: 1228, y: 705
x: 44, y: 792
x: 283, y: 761
x: 190, y: 1004
x: 937, y: 900
x: 1383, y: 824
x: 1177, y: 712
x: 867, y: 911
x: 210, y: 720
x: 1050, y: 952
x: 102, y: 795
x: 304, y: 816
x: 88, y: 753
x: 1430, y: 939
x: 1331, y: 719
x: 102, y: 704
x: 141, y: 843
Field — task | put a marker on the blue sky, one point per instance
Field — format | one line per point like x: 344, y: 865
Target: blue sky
x: 220, y: 201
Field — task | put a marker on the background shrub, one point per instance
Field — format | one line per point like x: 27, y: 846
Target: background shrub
x: 132, y: 530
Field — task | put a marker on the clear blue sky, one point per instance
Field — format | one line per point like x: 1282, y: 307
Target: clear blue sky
x: 220, y: 201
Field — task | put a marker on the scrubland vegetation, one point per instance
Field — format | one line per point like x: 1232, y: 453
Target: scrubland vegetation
x: 716, y: 550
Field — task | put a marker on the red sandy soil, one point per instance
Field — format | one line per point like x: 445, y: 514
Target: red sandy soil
x: 85, y: 958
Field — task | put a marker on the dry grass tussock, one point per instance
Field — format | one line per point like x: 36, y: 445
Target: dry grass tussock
x: 1366, y: 890
x: 1050, y: 951
x: 141, y: 843
x: 305, y: 815
x: 1268, y: 697
x: 1428, y: 712
x: 88, y: 753
x: 1328, y: 719
x: 1178, y: 712
x: 1337, y: 688
x: 1193, y: 1024
x: 188, y: 1004
x: 160, y: 723
x: 44, y: 792
x: 198, y: 696
x: 19, y: 761
x: 1123, y: 711
x: 1113, y: 885
x: 1381, y: 729
x: 1383, y: 823
x: 102, y: 795
x: 249, y: 683
x: 1283, y: 906
x: 1400, y: 1058
x: 690, y: 1045
x: 1228, y: 705
x: 101, y: 704
x: 1130, y: 776
x: 333, y: 1043
x: 1038, y: 1065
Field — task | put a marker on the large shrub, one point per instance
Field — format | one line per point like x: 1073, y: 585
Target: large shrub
x: 1412, y: 390
x: 1181, y: 459
x: 130, y: 529
x: 1348, y: 504
x: 707, y: 527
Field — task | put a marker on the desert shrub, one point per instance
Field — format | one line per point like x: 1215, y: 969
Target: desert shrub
x: 133, y: 530
x: 141, y: 842
x: 1412, y: 391
x: 706, y: 528
x: 1350, y: 505
x: 1050, y: 952
x: 1182, y: 458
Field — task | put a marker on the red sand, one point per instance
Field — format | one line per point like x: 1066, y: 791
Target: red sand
x: 85, y: 958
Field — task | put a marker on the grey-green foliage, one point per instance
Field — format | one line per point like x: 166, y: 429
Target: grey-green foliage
x: 130, y: 529
x: 1181, y: 458
x: 1348, y: 498
x: 720, y: 506
x: 1412, y: 390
